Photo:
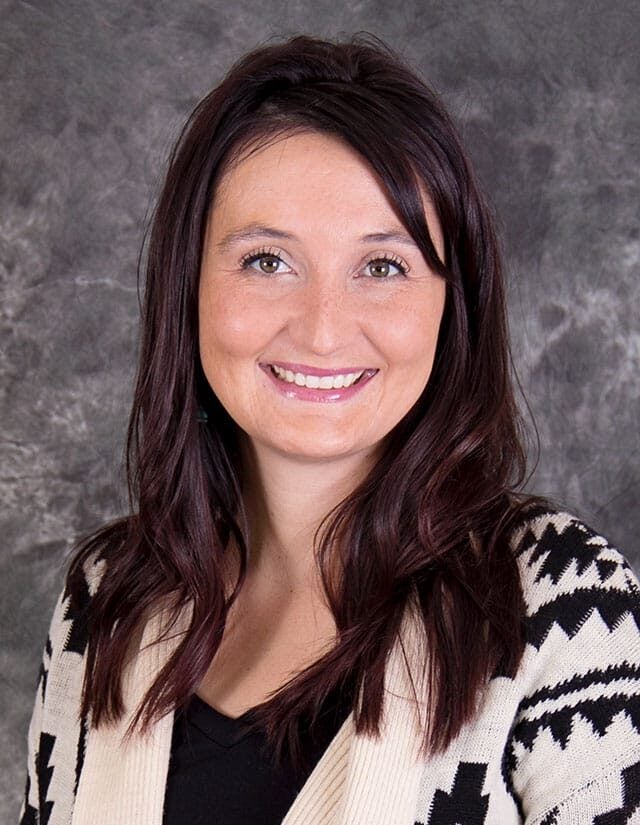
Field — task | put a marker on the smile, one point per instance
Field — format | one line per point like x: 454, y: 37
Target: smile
x: 324, y: 382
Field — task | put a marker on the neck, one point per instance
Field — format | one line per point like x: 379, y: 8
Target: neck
x: 286, y: 498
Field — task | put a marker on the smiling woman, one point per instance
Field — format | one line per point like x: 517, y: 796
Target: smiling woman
x: 331, y: 299
x: 331, y: 602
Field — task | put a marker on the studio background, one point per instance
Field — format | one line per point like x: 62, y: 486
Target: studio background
x: 92, y: 96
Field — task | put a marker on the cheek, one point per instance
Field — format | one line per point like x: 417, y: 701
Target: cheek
x: 229, y: 323
x: 411, y: 336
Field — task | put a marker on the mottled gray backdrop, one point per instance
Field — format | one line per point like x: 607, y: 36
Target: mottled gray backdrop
x: 92, y: 95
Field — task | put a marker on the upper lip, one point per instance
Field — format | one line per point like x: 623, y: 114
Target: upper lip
x: 305, y: 369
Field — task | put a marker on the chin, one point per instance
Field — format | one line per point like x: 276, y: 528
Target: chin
x: 316, y: 452
x: 322, y: 450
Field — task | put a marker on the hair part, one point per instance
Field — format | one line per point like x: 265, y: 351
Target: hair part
x: 433, y: 518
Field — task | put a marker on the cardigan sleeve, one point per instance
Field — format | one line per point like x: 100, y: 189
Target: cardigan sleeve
x: 608, y: 800
x: 38, y: 741
x: 57, y: 733
x: 573, y: 754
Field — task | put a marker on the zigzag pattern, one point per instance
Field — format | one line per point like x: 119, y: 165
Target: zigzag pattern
x: 568, y: 545
x: 598, y: 712
x: 592, y: 678
x: 597, y: 696
x: 630, y: 802
x: 573, y: 544
x: 570, y: 611
x: 76, y: 613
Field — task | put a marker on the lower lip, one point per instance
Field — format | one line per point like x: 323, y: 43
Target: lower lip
x: 308, y: 394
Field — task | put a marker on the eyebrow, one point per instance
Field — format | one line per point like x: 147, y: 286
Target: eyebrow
x: 252, y: 233
x: 383, y: 237
x: 255, y: 231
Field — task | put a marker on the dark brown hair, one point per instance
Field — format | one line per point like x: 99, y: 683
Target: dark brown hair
x: 434, y: 515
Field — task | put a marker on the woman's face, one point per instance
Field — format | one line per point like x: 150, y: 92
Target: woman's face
x: 307, y: 268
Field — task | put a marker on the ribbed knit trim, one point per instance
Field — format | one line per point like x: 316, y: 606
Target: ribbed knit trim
x: 384, y: 773
x: 357, y: 781
x: 320, y: 796
x: 137, y: 767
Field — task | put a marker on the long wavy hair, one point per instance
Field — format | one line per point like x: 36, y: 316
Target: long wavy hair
x: 433, y: 518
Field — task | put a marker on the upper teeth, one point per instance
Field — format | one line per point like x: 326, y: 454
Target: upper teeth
x: 326, y: 382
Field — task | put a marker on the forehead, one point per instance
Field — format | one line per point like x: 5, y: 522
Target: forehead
x: 311, y: 187
x: 304, y: 180
x: 302, y: 166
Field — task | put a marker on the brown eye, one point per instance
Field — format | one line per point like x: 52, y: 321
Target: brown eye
x: 266, y: 262
x: 379, y: 269
x: 383, y: 268
x: 269, y: 264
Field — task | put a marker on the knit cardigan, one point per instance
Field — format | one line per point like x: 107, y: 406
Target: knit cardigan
x: 559, y: 744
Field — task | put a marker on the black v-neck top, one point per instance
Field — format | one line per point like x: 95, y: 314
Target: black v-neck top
x: 219, y: 774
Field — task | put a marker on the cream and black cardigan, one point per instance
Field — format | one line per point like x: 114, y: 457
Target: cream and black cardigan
x: 557, y: 745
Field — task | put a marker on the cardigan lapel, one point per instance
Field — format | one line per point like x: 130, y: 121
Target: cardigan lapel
x: 357, y: 781
x: 363, y: 781
x: 123, y: 781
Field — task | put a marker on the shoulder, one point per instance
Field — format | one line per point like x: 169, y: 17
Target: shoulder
x: 579, y: 682
x: 568, y: 572
x: 558, y: 539
x: 68, y: 629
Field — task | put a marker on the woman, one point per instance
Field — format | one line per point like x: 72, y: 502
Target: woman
x: 331, y: 604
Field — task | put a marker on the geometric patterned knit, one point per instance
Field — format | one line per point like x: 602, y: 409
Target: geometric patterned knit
x: 559, y: 744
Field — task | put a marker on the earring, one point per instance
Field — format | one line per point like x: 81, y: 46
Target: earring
x: 202, y: 416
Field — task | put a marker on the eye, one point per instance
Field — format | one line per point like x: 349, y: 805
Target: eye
x: 385, y: 267
x: 264, y: 260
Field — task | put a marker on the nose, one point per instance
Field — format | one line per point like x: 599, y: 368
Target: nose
x: 325, y: 317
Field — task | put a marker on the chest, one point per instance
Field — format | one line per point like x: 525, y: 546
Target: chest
x: 267, y: 642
